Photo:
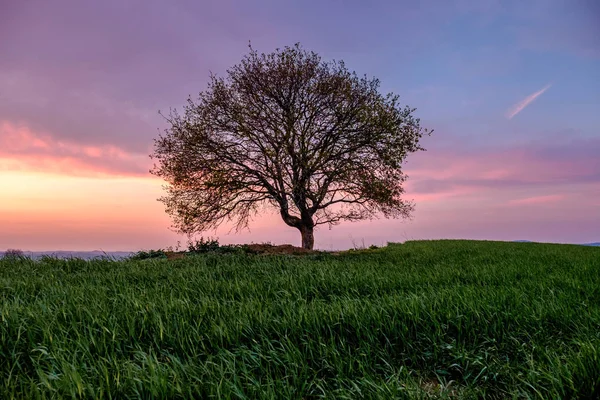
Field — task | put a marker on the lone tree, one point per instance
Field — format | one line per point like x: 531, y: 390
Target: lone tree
x: 286, y: 130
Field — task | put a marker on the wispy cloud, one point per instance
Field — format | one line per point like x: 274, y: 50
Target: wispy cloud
x: 517, y: 108
x: 552, y: 198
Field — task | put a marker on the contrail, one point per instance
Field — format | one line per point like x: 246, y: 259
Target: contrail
x: 517, y: 108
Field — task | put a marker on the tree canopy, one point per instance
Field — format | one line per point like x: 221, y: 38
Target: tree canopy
x: 287, y: 130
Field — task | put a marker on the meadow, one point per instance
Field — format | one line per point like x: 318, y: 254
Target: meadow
x: 423, y: 319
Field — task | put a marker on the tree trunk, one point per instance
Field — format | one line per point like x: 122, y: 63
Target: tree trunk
x: 308, y: 236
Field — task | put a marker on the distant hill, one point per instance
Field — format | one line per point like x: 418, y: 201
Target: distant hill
x: 592, y: 244
x: 86, y: 255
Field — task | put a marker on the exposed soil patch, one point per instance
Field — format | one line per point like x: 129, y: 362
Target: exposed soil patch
x: 171, y: 255
x: 280, y: 249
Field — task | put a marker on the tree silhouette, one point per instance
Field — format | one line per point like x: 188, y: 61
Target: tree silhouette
x: 290, y: 131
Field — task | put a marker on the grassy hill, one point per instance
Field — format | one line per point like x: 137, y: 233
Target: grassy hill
x: 424, y: 319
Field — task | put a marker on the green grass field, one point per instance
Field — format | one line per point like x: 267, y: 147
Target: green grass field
x: 425, y: 319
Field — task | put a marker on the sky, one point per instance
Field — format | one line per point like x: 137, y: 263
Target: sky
x: 511, y: 89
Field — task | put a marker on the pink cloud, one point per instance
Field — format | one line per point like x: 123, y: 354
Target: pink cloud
x: 23, y: 149
x: 449, y: 169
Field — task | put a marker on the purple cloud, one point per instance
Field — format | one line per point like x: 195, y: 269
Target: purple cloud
x: 535, y: 165
x: 97, y: 73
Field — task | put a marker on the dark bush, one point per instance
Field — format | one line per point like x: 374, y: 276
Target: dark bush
x: 144, y: 255
x: 14, y: 254
x: 204, y: 245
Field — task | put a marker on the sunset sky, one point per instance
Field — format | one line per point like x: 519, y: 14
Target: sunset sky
x: 511, y: 88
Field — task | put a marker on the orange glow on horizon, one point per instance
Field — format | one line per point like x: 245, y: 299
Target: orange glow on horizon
x: 40, y: 207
